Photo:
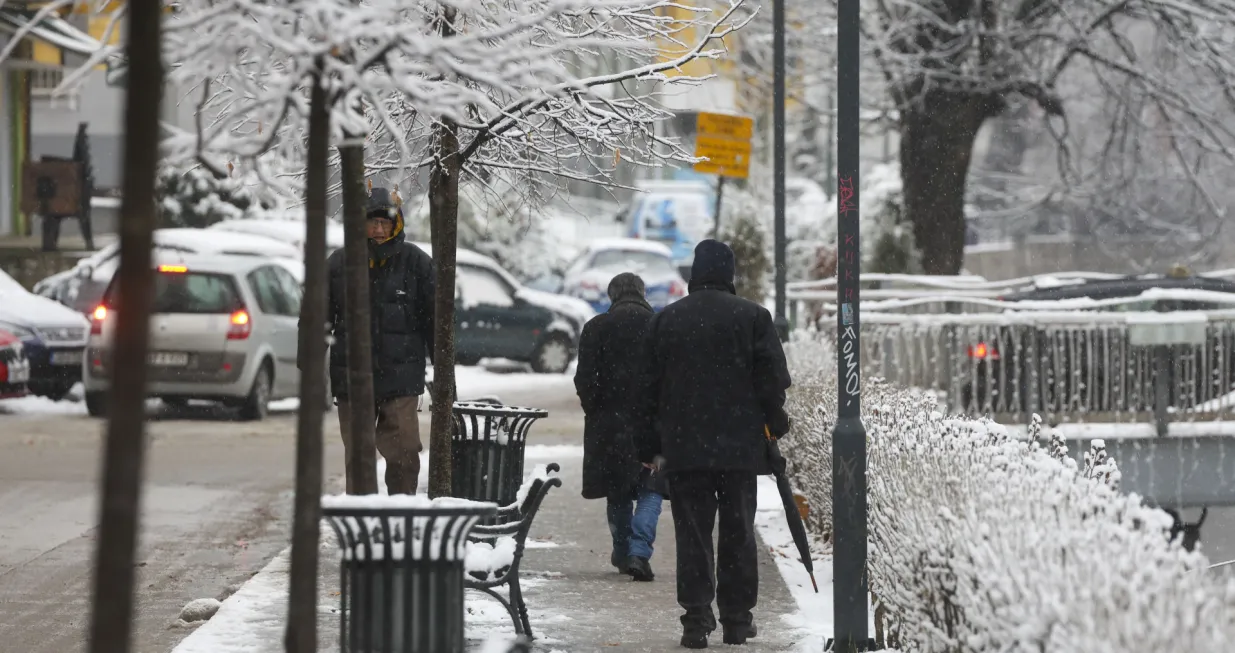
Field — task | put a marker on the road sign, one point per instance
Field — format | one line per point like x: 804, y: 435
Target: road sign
x: 724, y: 141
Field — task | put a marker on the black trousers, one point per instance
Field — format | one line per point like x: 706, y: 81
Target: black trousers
x: 731, y: 576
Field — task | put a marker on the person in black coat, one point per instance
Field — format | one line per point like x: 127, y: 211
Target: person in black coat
x: 401, y: 290
x: 715, y: 377
x: 607, y: 379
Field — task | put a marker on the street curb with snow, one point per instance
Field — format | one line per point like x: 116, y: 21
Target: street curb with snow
x: 249, y: 619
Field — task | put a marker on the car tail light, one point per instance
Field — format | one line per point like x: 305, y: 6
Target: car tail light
x: 4, y: 373
x: 241, y: 325
x: 96, y: 320
x: 982, y: 351
x: 677, y: 288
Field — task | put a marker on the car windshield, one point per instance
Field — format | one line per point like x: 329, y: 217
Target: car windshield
x: 191, y: 292
x: 631, y: 260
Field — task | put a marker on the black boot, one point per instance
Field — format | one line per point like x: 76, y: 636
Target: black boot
x: 738, y: 635
x: 694, y: 639
x: 619, y: 562
x: 640, y: 569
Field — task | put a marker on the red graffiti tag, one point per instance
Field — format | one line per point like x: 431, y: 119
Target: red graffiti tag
x: 845, y: 196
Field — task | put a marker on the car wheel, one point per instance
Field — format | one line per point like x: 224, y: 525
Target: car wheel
x: 59, y: 392
x: 552, y: 356
x: 257, y: 404
x: 467, y: 361
x: 96, y: 404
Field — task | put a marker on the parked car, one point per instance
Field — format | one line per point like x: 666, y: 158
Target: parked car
x: 1073, y: 363
x: 287, y: 231
x: 497, y: 317
x: 589, y: 275
x: 14, y: 367
x: 53, y: 338
x: 81, y: 288
x: 223, y: 328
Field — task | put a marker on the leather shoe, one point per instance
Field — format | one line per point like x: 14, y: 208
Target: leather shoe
x: 640, y: 569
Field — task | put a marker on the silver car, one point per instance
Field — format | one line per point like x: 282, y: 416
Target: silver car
x: 223, y: 328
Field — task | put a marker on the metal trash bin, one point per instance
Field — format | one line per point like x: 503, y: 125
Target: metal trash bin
x: 402, y: 588
x: 486, y: 450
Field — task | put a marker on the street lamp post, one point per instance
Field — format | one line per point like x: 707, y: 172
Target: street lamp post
x: 849, y: 501
x: 778, y: 160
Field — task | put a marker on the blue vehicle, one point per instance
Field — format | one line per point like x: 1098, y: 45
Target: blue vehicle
x: 53, y: 338
x: 589, y: 275
x: 676, y: 214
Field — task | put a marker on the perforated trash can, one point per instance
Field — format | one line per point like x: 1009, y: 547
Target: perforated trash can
x: 487, y: 450
x: 402, y: 571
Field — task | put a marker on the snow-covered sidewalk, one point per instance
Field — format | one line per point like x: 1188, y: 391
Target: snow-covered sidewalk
x: 577, y: 603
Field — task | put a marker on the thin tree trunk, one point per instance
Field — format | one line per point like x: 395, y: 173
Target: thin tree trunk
x: 363, y: 464
x: 444, y: 223
x: 936, y: 148
x: 124, y: 458
x: 301, y: 635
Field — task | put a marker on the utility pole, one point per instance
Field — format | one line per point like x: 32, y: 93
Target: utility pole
x: 849, y: 500
x: 778, y: 159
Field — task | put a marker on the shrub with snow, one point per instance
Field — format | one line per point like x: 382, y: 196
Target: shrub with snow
x: 983, y: 543
x: 194, y: 197
x: 744, y: 227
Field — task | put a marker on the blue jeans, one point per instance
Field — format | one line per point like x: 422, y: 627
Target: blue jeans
x: 632, y: 523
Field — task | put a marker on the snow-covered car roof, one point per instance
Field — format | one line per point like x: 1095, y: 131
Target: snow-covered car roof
x: 289, y: 230
x: 22, y: 307
x: 632, y: 244
x: 103, y: 263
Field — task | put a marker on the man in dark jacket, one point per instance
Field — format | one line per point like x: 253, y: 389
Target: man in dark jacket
x: 607, y: 380
x: 401, y: 316
x: 715, y: 377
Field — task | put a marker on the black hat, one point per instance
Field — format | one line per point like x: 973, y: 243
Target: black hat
x: 381, y: 204
x: 713, y: 264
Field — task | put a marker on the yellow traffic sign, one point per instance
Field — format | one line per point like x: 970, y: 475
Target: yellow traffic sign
x: 722, y: 151
x: 725, y: 126
x: 709, y: 168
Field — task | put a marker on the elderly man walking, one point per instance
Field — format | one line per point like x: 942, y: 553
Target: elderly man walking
x: 607, y: 381
x: 715, y: 377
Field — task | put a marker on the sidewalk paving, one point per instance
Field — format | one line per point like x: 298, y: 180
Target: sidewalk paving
x: 577, y: 602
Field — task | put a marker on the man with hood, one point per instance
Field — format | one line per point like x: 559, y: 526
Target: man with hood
x: 607, y: 380
x: 715, y: 378
x: 401, y: 281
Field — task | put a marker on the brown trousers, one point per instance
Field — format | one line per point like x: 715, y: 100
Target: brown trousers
x: 398, y: 441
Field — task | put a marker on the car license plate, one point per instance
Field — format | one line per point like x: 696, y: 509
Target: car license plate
x: 67, y: 357
x: 169, y: 359
x: 19, y: 372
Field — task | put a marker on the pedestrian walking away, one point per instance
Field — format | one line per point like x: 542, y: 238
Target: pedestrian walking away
x: 606, y: 380
x: 401, y: 317
x: 714, y: 378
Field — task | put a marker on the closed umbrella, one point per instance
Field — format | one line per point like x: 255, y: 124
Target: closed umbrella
x: 792, y: 516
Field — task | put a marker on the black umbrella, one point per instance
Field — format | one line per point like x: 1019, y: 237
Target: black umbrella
x: 796, y: 527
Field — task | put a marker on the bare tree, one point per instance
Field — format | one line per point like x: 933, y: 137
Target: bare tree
x: 950, y: 67
x: 301, y: 634
x: 124, y: 456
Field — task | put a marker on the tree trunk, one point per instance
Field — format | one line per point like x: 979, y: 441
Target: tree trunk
x: 444, y: 224
x: 936, y: 147
x: 444, y: 237
x: 301, y: 635
x: 124, y: 456
x: 363, y: 464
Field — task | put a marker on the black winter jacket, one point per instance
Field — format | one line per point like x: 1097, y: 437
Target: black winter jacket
x: 607, y: 380
x: 401, y: 314
x: 715, y: 375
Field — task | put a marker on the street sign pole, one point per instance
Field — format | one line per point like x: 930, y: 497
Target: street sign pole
x: 849, y: 501
x: 778, y: 160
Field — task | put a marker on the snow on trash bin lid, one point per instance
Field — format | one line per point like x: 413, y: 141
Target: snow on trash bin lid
x: 440, y: 523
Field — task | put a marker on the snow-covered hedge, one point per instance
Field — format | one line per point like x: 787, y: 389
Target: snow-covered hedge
x: 983, y: 543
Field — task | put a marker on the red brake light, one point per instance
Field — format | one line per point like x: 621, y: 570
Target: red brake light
x: 4, y: 373
x: 96, y: 323
x: 240, y: 325
x: 982, y: 351
x: 677, y: 289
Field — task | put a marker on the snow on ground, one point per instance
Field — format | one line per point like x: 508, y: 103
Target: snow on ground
x: 249, y: 620
x: 497, y: 376
x: 813, y: 620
